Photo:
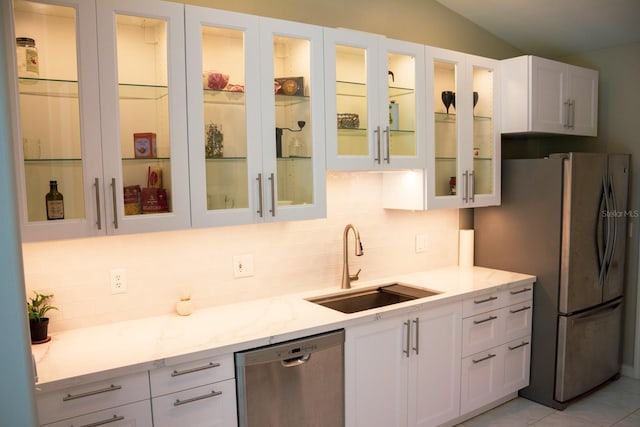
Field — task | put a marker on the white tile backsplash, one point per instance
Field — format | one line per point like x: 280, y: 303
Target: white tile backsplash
x: 288, y: 257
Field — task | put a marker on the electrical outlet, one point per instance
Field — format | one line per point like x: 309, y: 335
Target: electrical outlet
x: 243, y: 265
x: 118, y: 281
x: 421, y: 243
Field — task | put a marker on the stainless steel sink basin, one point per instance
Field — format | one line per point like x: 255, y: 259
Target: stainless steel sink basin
x: 365, y: 299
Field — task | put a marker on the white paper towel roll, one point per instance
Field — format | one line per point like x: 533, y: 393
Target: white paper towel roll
x: 465, y: 249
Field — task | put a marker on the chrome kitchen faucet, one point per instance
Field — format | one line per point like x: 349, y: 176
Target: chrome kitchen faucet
x: 346, y: 277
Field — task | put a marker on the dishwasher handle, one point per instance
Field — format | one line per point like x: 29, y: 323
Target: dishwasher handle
x: 296, y: 361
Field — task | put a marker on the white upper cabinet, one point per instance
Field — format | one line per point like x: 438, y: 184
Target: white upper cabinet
x: 256, y: 117
x: 540, y: 95
x: 144, y: 122
x: 56, y: 118
x: 463, y: 138
x: 375, y: 96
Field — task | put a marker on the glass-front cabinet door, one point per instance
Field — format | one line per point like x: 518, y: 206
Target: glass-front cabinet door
x: 375, y: 95
x: 57, y: 119
x: 143, y: 104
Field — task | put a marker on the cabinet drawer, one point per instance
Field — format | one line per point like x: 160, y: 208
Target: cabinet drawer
x: 74, y: 401
x: 518, y: 294
x: 133, y: 415
x: 482, y: 379
x: 517, y: 320
x: 482, y: 303
x: 517, y: 359
x: 192, y: 374
x: 482, y: 331
x: 212, y: 405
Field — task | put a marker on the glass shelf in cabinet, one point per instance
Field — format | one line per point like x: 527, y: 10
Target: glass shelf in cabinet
x: 146, y: 159
x: 482, y: 118
x: 352, y: 131
x: 446, y: 159
x: 293, y: 158
x: 48, y: 87
x: 215, y: 96
x: 51, y: 160
x: 395, y: 91
x: 351, y: 89
x: 287, y: 100
x: 483, y: 159
x: 142, y: 92
x: 402, y: 131
x: 446, y: 118
x: 225, y: 159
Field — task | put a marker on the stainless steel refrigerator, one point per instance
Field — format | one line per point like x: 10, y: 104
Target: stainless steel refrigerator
x: 563, y: 219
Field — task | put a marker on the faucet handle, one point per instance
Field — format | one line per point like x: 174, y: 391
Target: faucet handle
x: 355, y: 276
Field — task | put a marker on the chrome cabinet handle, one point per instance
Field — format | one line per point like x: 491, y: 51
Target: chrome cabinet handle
x: 518, y: 346
x: 377, y: 132
x: 519, y: 291
x: 491, y: 298
x: 273, y: 194
x: 408, y: 337
x: 260, y: 195
x: 465, y: 184
x: 213, y: 393
x: 565, y: 121
x: 176, y: 373
x: 488, y: 319
x: 417, y: 336
x: 487, y: 357
x: 525, y: 308
x: 388, y: 145
x: 103, y: 422
x: 572, y: 115
x: 472, y: 179
x: 115, y: 206
x: 96, y: 184
x: 112, y: 387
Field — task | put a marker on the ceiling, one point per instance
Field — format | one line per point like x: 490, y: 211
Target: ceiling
x: 554, y: 28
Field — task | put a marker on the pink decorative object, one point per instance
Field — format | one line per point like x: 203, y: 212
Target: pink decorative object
x: 214, y: 80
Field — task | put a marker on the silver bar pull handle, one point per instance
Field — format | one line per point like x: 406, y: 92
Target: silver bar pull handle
x: 565, y: 119
x: 487, y: 357
x: 416, y: 348
x: 520, y: 291
x: 406, y: 350
x: 572, y: 109
x: 213, y: 393
x: 113, y: 419
x: 272, y: 178
x: 96, y: 184
x: 176, y: 373
x: 480, y: 301
x: 465, y: 184
x: 518, y: 346
x: 377, y: 132
x: 260, y: 195
x: 472, y: 179
x: 525, y: 308
x: 115, y: 202
x: 112, y: 387
x: 388, y: 145
x: 488, y: 319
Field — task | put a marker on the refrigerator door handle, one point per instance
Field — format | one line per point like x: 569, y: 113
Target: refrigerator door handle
x: 611, y: 217
x: 602, y: 235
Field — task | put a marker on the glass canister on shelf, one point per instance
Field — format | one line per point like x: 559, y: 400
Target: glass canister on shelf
x: 27, y: 57
x: 54, y: 202
x: 214, y: 141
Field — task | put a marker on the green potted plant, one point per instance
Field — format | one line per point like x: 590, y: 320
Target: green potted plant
x: 37, y: 308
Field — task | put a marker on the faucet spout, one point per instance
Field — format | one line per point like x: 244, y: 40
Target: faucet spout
x: 346, y: 276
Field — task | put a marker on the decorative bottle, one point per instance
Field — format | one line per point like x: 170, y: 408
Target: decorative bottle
x: 55, y: 203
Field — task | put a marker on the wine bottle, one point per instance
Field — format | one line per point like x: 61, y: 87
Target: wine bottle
x: 55, y: 203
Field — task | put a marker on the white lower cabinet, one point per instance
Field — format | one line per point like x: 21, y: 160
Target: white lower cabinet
x: 132, y: 415
x: 404, y: 370
x: 201, y: 393
x: 99, y: 401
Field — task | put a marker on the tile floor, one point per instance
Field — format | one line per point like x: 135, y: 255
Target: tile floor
x: 615, y: 404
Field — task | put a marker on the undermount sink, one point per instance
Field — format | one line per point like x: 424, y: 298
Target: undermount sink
x: 365, y: 299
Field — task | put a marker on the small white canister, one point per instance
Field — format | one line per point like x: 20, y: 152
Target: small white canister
x: 27, y: 57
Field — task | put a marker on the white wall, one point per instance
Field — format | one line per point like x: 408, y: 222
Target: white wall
x: 288, y: 257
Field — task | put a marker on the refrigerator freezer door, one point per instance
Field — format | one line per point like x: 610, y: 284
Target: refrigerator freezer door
x: 613, y: 286
x: 580, y: 287
x: 588, y: 350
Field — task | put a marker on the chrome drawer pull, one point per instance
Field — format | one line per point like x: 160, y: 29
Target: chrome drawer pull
x: 520, y: 291
x: 199, y: 368
x: 96, y: 184
x: 213, y: 393
x: 487, y: 357
x: 91, y: 393
x: 417, y: 347
x: 526, y: 307
x: 491, y: 298
x: 488, y: 319
x: 519, y: 345
x: 101, y: 423
x: 407, y: 350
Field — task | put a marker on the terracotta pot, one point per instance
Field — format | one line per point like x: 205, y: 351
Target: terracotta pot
x: 39, y: 330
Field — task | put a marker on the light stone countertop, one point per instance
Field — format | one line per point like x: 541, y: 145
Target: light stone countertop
x: 90, y: 354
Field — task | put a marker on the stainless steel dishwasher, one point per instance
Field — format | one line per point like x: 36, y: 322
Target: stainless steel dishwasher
x: 298, y: 383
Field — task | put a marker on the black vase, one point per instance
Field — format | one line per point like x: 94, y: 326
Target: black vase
x: 448, y: 97
x: 39, y: 330
x: 475, y: 99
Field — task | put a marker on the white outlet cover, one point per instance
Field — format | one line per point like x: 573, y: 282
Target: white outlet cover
x: 243, y: 265
x: 118, y: 281
x: 421, y: 243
